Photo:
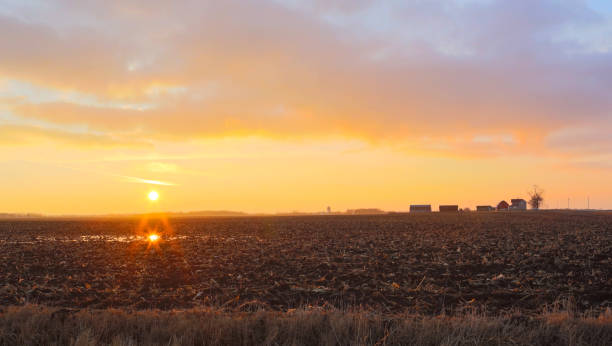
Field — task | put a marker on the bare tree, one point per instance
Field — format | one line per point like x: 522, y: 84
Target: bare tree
x: 536, y: 197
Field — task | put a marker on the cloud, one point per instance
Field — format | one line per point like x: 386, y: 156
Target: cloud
x: 17, y: 135
x: 582, y: 140
x: 146, y: 181
x: 392, y: 72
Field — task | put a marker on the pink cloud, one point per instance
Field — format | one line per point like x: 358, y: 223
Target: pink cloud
x: 436, y: 69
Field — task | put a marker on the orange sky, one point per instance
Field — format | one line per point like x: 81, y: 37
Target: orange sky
x: 299, y: 105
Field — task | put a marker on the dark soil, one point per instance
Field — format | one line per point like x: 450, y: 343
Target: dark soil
x: 389, y: 263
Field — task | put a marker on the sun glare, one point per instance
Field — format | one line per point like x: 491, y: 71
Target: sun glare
x: 153, y: 195
x: 153, y: 237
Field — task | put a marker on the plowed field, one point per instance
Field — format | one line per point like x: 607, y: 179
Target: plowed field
x: 389, y: 263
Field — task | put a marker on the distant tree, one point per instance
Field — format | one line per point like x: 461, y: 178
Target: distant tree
x: 536, y: 197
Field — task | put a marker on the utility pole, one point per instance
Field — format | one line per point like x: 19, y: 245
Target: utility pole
x: 568, y: 203
x: 588, y: 202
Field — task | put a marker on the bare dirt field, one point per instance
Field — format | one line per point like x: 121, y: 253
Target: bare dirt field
x: 425, y: 264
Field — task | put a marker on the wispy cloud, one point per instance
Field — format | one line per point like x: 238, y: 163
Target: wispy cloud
x: 123, y: 178
x: 145, y: 181
x: 12, y: 135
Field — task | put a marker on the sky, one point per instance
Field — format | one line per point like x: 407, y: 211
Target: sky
x: 284, y: 105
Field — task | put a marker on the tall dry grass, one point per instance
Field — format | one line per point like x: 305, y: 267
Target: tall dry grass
x: 39, y: 325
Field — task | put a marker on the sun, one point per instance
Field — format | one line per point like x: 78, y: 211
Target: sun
x: 153, y: 237
x: 153, y: 195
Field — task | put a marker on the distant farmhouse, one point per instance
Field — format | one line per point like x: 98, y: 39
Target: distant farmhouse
x: 503, y: 206
x: 420, y: 208
x: 449, y: 208
x: 518, y: 204
x: 484, y: 208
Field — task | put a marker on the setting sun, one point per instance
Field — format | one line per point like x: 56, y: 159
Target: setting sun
x: 153, y: 237
x: 153, y: 195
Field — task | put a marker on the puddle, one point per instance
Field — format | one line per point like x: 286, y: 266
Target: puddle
x: 128, y: 239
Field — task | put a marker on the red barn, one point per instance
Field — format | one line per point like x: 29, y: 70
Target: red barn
x: 503, y: 205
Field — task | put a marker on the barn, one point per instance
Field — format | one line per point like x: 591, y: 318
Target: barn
x: 503, y: 205
x: 518, y: 204
x: 449, y: 208
x: 484, y: 208
x: 420, y: 208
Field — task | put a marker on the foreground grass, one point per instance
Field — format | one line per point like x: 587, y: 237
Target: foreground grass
x: 38, y: 325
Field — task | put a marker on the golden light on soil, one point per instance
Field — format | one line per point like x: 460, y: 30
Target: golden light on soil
x: 153, y: 237
x: 153, y: 195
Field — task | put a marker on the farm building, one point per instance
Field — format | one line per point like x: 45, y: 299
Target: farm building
x: 503, y: 205
x: 518, y: 204
x: 449, y: 208
x: 484, y: 208
x: 420, y: 208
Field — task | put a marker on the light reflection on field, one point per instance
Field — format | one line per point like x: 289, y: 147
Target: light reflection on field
x: 130, y: 239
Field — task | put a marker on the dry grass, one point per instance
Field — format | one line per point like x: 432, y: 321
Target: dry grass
x: 38, y: 325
